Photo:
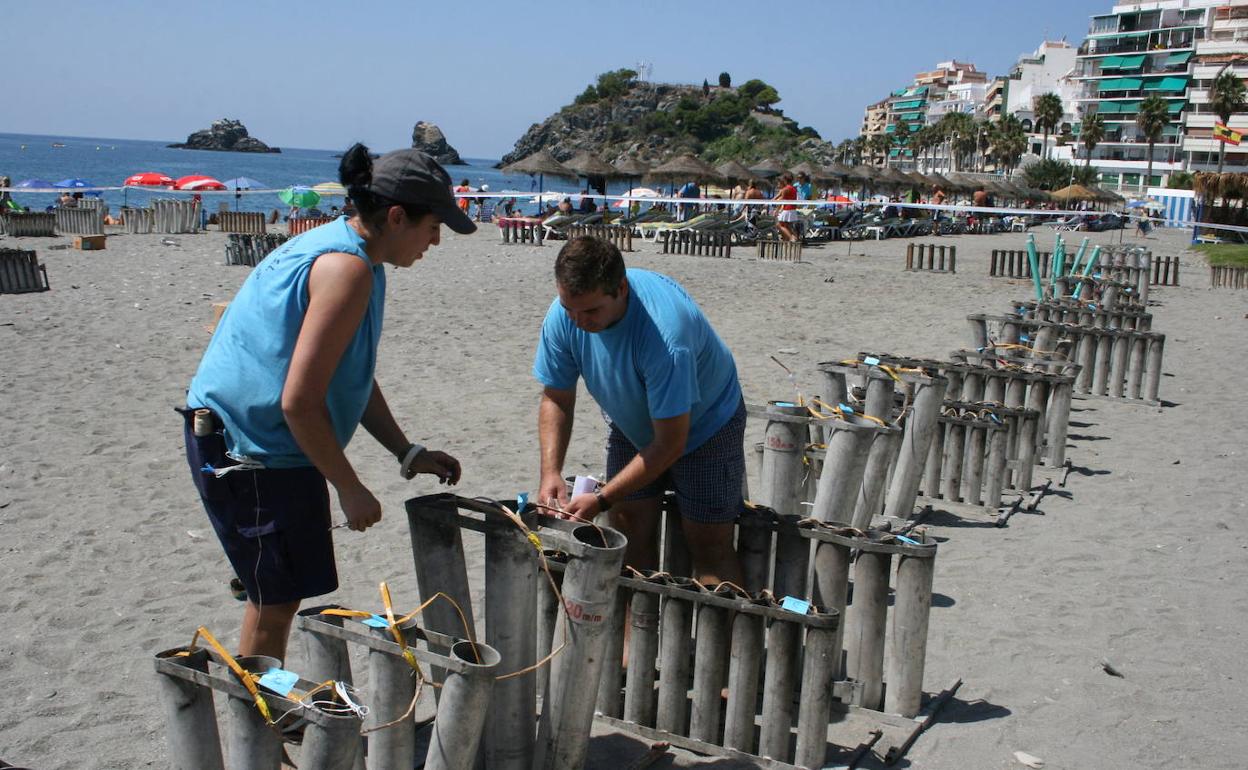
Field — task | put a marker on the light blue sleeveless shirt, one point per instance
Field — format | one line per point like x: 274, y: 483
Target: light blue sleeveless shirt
x: 243, y: 371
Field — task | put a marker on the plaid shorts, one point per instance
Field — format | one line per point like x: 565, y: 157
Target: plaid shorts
x: 707, y: 481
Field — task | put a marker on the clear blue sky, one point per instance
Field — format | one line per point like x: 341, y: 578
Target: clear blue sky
x: 321, y: 75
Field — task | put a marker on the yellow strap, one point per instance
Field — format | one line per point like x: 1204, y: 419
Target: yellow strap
x: 247, y: 678
x: 395, y: 631
x: 535, y: 540
x: 889, y: 371
x: 340, y: 613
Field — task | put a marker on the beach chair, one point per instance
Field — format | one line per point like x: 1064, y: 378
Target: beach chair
x: 485, y: 213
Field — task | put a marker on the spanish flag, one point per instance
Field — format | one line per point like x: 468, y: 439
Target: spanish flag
x: 1224, y: 134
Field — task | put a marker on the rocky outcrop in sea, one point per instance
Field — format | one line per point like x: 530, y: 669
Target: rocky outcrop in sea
x: 430, y: 140
x: 224, y: 136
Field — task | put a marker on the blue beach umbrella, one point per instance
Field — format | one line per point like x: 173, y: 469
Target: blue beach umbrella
x: 73, y: 183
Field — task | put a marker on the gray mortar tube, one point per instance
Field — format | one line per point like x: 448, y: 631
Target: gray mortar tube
x: 1085, y: 356
x: 1059, y: 422
x: 1038, y: 399
x: 819, y: 668
x: 547, y: 617
x: 972, y: 387
x: 935, y: 458
x: 610, y: 697
x: 832, y: 587
x: 929, y: 393
x: 1046, y: 339
x: 792, y: 563
x: 846, y: 459
x: 709, y: 672
x: 784, y: 448
x: 835, y: 387
x: 511, y: 588
x: 870, y: 500
x: 994, y: 466
x: 588, y: 595
x: 955, y: 448
x: 643, y: 649
x: 973, y: 464
x: 1118, y: 365
x: 438, y: 554
x: 1156, y: 347
x: 462, y: 709
x: 676, y: 557
x: 743, y: 668
x: 979, y: 332
x: 1104, y: 349
x: 908, y: 641
x: 254, y: 745
x: 994, y: 389
x: 194, y: 743
x: 676, y: 628
x: 1139, y: 352
x: 392, y: 683
x: 330, y: 741
x: 327, y: 658
x: 864, y: 637
x: 1024, y: 442
x: 754, y: 550
x: 783, y: 641
x: 879, y: 400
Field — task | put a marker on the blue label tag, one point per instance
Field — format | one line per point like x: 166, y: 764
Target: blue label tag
x: 871, y: 360
x: 785, y: 403
x: 1024, y: 338
x: 522, y: 501
x: 793, y: 604
x: 376, y: 621
x: 907, y: 541
x: 279, y: 681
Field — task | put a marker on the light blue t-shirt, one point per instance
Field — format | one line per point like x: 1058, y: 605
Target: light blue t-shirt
x: 662, y: 359
x: 243, y: 371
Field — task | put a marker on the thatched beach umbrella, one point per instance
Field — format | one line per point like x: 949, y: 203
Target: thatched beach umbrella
x: 807, y: 168
x: 836, y: 170
x: 632, y: 169
x: 733, y: 171
x: 767, y: 169
x: 685, y: 167
x: 588, y: 166
x: 540, y: 164
x: 1074, y: 192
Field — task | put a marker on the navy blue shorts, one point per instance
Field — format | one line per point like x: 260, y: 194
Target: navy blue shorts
x: 707, y: 481
x: 273, y: 523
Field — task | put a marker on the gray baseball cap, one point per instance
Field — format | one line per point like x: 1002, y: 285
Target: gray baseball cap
x: 411, y: 176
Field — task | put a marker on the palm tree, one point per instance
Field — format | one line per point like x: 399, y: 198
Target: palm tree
x: 879, y: 144
x: 901, y: 137
x: 1009, y: 141
x: 1090, y: 134
x: 1153, y: 117
x: 960, y: 127
x: 922, y: 142
x: 1226, y: 96
x: 1048, y: 111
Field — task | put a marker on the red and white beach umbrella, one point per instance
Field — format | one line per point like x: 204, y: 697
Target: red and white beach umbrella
x: 197, y: 182
x: 149, y: 179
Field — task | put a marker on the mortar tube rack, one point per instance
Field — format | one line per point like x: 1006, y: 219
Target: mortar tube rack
x: 1080, y: 313
x: 966, y: 470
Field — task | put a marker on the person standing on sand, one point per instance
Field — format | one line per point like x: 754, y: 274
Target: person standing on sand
x: 669, y: 388
x: 287, y: 379
x: 787, y: 221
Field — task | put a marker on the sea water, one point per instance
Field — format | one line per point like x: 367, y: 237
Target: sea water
x: 108, y: 162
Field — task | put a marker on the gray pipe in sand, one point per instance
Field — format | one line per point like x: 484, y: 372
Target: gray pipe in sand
x: 743, y: 669
x: 908, y: 641
x: 864, y: 635
x: 676, y: 629
x: 194, y: 743
x: 929, y: 393
x: 254, y: 744
x: 511, y: 588
x: 462, y: 709
x: 643, y: 649
x: 392, y: 687
x: 820, y: 662
x: 709, y: 671
x: 783, y: 640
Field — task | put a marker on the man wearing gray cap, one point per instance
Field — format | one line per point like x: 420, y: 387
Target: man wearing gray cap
x: 288, y: 377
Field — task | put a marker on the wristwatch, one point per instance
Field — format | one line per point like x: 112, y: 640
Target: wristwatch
x: 604, y: 504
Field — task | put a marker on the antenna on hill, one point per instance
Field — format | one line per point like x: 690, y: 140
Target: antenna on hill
x: 644, y: 70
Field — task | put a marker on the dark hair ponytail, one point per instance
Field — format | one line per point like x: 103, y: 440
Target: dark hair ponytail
x: 355, y: 172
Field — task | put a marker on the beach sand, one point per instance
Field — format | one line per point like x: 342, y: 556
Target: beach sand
x: 106, y: 555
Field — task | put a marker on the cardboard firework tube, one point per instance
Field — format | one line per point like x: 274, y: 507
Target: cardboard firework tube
x: 1104, y: 348
x: 864, y: 637
x: 908, y: 641
x: 462, y: 709
x: 1038, y: 399
x: 643, y: 650
x: 879, y: 400
x: 330, y: 741
x: 1058, y: 418
x: 994, y: 389
x: 438, y: 554
x: 870, y: 498
x: 392, y: 682
x: 743, y: 669
x: 254, y: 745
x: 792, y: 560
x: 994, y: 466
x: 784, y: 449
x: 709, y: 672
x: 979, y: 331
x: 835, y: 386
x: 328, y: 658
x: 821, y: 659
x: 1156, y: 346
x: 547, y: 617
x: 973, y: 465
x: 589, y: 584
x: 676, y: 557
x: 1045, y: 340
x: 1139, y: 350
x: 1118, y: 364
x: 848, y: 448
x: 676, y: 628
x: 935, y: 459
x: 929, y: 392
x: 1085, y: 355
x: 955, y: 447
x: 831, y: 589
x: 194, y: 742
x: 511, y: 589
x: 754, y: 550
x: 972, y: 387
x: 783, y: 641
x: 610, y: 696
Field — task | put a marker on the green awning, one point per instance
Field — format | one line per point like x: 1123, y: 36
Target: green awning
x: 1129, y: 106
x: 1120, y: 84
x: 1172, y: 84
x: 1111, y: 63
x: 890, y: 128
x: 1131, y: 62
x: 911, y: 116
x: 1177, y: 58
x: 1107, y: 108
x: 910, y: 105
x: 1176, y: 106
x: 1107, y: 35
